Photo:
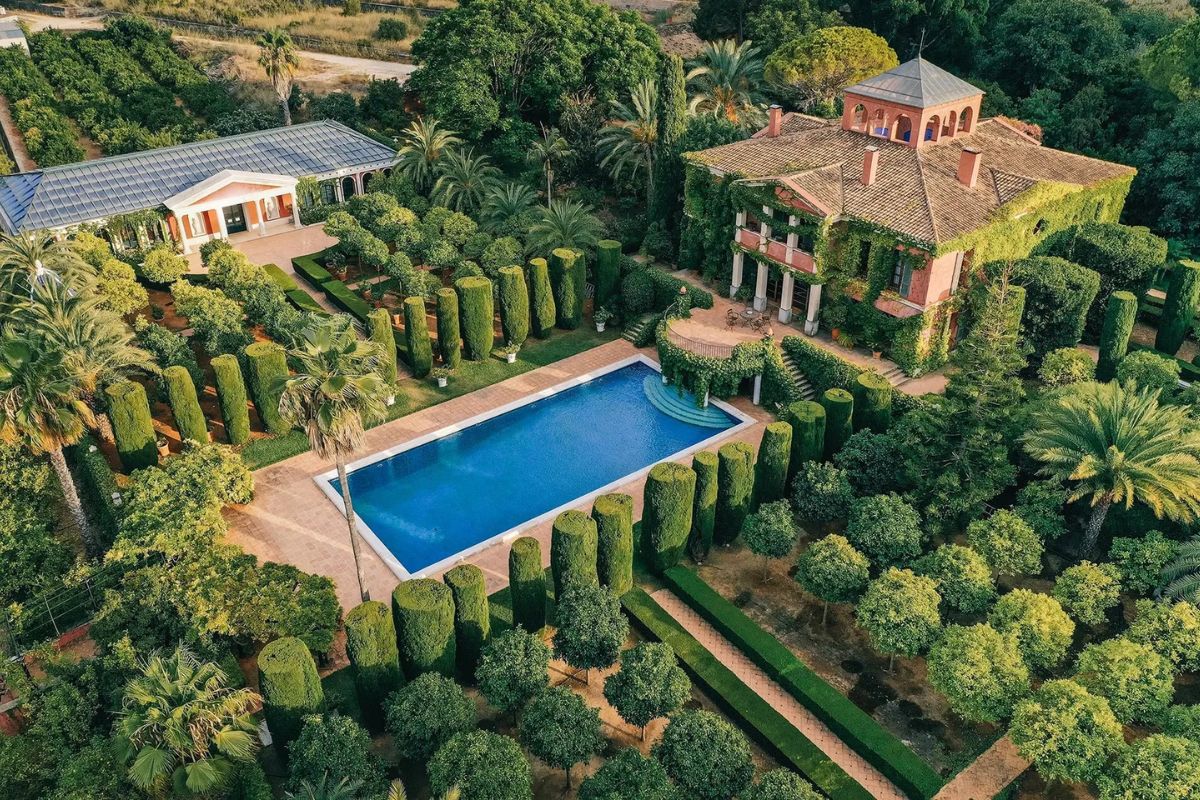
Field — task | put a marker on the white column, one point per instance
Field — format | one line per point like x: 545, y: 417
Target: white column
x: 814, y: 307
x: 296, y: 212
x: 260, y: 208
x: 736, y: 282
x: 785, y: 300
x: 739, y: 219
x: 760, y: 287
x: 221, y: 222
x: 757, y: 390
x: 358, y: 183
x: 337, y: 190
x: 182, y: 225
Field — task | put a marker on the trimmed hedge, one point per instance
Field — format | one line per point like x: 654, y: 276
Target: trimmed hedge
x: 608, y: 270
x: 340, y: 295
x: 771, y: 468
x: 97, y: 483
x: 266, y: 364
x: 472, y: 618
x: 185, y: 404
x: 133, y: 427
x: 379, y: 323
x: 478, y: 315
x: 1058, y: 295
x: 873, y: 402
x: 1119, y: 317
x: 231, y: 395
x: 704, y: 504
x: 416, y: 337
x: 541, y: 299
x: 667, y: 286
x: 449, y: 334
x: 304, y: 301
x: 290, y: 688
x: 312, y: 272
x: 573, y: 551
x: 614, y: 551
x: 568, y: 301
x: 527, y: 584
x: 839, y: 419
x: 669, y: 496
x: 1179, y: 310
x: 848, y: 722
x: 824, y: 370
x: 423, y: 612
x: 374, y: 657
x: 280, y: 278
x: 808, y: 433
x: 735, y: 490
x: 514, y: 305
x: 757, y: 715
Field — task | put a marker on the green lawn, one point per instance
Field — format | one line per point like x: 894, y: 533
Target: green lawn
x: 415, y: 395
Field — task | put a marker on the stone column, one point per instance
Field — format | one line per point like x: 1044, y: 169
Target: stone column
x: 811, y: 322
x: 220, y: 213
x: 757, y: 396
x: 760, y: 286
x: 736, y: 282
x: 785, y: 300
x: 295, y: 206
x: 337, y: 190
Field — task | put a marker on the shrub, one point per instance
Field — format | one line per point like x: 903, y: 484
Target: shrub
x: 899, y: 611
x: 667, y: 516
x: 1152, y: 768
x: 132, y: 425
x: 1058, y: 295
x: 1179, y: 310
x: 1137, y: 681
x: 290, y: 687
x: 608, y: 270
x: 500, y: 253
x: 870, y: 462
x: 613, y: 514
x: 1066, y: 366
x: 1140, y: 560
x: 1172, y: 629
x: 833, y: 571
x: 708, y: 758
x: 566, y: 268
x: 886, y: 528
x: 266, y: 366
x: 475, y: 302
x: 481, y: 766
x: 231, y: 394
x: 391, y: 29
x: 374, y: 659
x: 514, y: 305
x: 808, y: 433
x: 472, y: 617
x: 514, y: 666
x: 217, y: 319
x: 185, y: 405
x: 426, y: 713
x: 781, y: 784
x: 423, y: 611
x: 527, y: 584
x: 1042, y: 628
x: 637, y: 293
x: 1040, y: 504
x: 872, y: 407
x: 591, y: 627
x: 573, y: 546
x: 560, y: 729
x: 1119, y: 316
x: 821, y: 493
x: 770, y: 531
x: 735, y: 489
x: 628, y: 775
x: 980, y: 672
x: 335, y: 748
x: 448, y: 331
x: 163, y: 266
x: 119, y: 289
x: 379, y: 322
x: 771, y: 467
x: 964, y: 579
x: 1088, y: 590
x: 839, y: 412
x: 416, y: 337
x: 649, y: 685
x: 541, y: 298
x: 1149, y: 370
x: 1007, y: 543
x: 1068, y: 733
x: 704, y: 506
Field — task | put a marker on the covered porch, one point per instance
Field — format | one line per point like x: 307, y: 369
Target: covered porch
x: 233, y: 204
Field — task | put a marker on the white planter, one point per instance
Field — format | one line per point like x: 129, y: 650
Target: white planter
x: 391, y: 399
x: 599, y: 327
x: 442, y: 382
x: 510, y: 358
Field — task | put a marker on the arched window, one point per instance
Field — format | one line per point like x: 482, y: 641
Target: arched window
x: 933, y: 129
x: 951, y: 124
x: 859, y: 120
x: 903, y: 129
x: 367, y: 181
x: 348, y: 188
x: 879, y: 126
x: 964, y: 120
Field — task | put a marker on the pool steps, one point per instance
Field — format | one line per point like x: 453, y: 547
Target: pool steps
x: 668, y: 400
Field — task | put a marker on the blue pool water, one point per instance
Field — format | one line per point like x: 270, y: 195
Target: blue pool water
x: 436, y: 500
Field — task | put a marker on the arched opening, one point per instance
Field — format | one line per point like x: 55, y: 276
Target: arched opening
x: 367, y: 181
x: 964, y: 120
x: 348, y: 188
x: 879, y: 126
x: 933, y: 129
x: 859, y: 120
x: 951, y: 123
x: 903, y: 129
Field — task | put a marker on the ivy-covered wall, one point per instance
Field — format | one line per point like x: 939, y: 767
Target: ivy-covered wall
x: 708, y: 224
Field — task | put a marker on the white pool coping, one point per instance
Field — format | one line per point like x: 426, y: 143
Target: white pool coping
x: 325, y: 480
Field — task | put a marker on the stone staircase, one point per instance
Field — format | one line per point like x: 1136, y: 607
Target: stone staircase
x: 668, y: 400
x: 807, y: 392
x: 635, y: 329
x: 895, y: 376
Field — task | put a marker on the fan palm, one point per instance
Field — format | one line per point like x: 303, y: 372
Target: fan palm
x: 463, y: 180
x: 31, y: 259
x: 324, y: 789
x: 629, y: 141
x: 423, y: 144
x: 43, y: 407
x: 727, y: 80
x: 547, y: 152
x: 338, y: 388
x: 503, y: 203
x: 564, y: 223
x: 277, y: 56
x: 1118, y: 444
x: 1181, y: 577
x: 183, y: 727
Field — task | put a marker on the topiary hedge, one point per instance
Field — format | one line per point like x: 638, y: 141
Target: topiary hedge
x: 448, y: 331
x: 231, y: 395
x: 423, y: 612
x: 341, y: 296
x: 1114, y: 337
x: 574, y: 542
x: 541, y: 299
x: 527, y: 584
x: 379, y: 324
x: 290, y: 688
x: 133, y: 427
x: 735, y: 490
x: 669, y: 496
x: 478, y: 314
x: 416, y: 337
x: 472, y: 616
x: 808, y: 433
x: 872, y: 402
x: 839, y: 422
x: 374, y: 657
x: 266, y: 366
x: 185, y: 404
x: 614, y: 552
x: 514, y: 305
x: 704, y: 505
x: 771, y: 467
x: 1179, y: 310
x: 568, y: 300
x: 608, y: 271
x: 1058, y: 296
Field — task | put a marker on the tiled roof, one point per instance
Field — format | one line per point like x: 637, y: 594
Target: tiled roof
x: 90, y: 190
x: 916, y: 190
x: 915, y: 83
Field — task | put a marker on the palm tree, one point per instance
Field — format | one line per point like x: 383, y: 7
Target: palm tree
x: 548, y: 151
x: 183, y: 727
x: 31, y: 259
x: 463, y: 180
x: 727, y: 80
x: 423, y: 143
x: 503, y: 203
x: 564, y: 223
x: 631, y: 138
x: 1181, y: 577
x: 41, y: 399
x: 324, y: 789
x: 277, y: 55
x: 337, y: 389
x: 1118, y: 444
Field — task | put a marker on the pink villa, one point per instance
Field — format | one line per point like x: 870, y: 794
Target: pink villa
x: 888, y: 212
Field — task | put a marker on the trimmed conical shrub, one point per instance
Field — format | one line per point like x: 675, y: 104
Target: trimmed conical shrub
x: 608, y: 271
x: 872, y: 402
x: 416, y: 336
x: 185, y: 404
x: 771, y: 468
x: 614, y: 553
x: 704, y: 508
x: 133, y: 427
x: 1119, y: 317
x: 527, y: 584
x: 808, y: 433
x: 266, y: 369
x: 477, y: 316
x: 667, y: 514
x: 573, y: 545
x: 565, y: 265
x: 379, y: 322
x: 1179, y: 311
x: 735, y: 489
x: 371, y: 646
x: 449, y: 330
x: 231, y: 395
x: 541, y: 299
x: 472, y: 617
x: 423, y: 610
x: 514, y: 305
x: 290, y: 688
x: 839, y: 419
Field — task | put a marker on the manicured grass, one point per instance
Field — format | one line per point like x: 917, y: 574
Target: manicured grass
x: 739, y: 700
x: 852, y: 725
x: 415, y: 395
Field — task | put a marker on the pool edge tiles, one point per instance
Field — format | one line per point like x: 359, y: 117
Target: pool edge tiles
x: 326, y: 481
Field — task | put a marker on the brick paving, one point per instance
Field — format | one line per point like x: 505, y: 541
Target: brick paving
x: 813, y: 729
x: 999, y: 766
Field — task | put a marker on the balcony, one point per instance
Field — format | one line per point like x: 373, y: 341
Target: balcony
x: 777, y: 251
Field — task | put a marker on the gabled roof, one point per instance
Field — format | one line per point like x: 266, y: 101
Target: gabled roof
x: 227, y: 177
x: 92, y: 190
x: 916, y: 83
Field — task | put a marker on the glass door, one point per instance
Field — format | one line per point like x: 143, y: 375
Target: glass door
x: 235, y: 218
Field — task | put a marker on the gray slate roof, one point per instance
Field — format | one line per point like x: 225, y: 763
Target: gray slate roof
x: 916, y: 83
x: 90, y: 190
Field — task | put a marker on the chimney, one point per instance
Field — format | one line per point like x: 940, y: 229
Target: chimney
x: 968, y: 166
x: 870, y: 165
x: 774, y: 121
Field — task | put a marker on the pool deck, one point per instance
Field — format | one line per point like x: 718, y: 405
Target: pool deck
x: 291, y: 520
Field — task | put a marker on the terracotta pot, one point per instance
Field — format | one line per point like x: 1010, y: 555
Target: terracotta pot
x: 834, y: 333
x: 398, y: 320
x: 164, y: 449
x: 877, y: 354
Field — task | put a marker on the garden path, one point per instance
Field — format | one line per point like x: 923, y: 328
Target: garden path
x: 983, y: 779
x: 10, y: 131
x: 816, y: 731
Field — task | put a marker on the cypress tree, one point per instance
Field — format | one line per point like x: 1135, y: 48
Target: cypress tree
x: 735, y: 489
x: 573, y: 546
x: 1179, y: 311
x: 672, y: 122
x: 565, y: 265
x: 514, y: 305
x: 185, y: 405
x: 416, y: 336
x: 808, y: 433
x: 839, y: 422
x: 423, y: 611
x: 704, y: 508
x: 872, y: 402
x: 1119, y: 317
x: 608, y: 271
x: 133, y: 427
x: 371, y: 646
x: 614, y: 552
x: 266, y: 368
x: 541, y: 298
x: 478, y: 316
x: 472, y: 617
x: 527, y: 584
x: 448, y: 330
x: 231, y: 394
x: 290, y: 688
x: 667, y: 514
x: 771, y: 468
x: 379, y: 322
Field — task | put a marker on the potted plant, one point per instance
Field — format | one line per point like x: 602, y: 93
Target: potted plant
x: 834, y: 316
x: 442, y: 376
x: 336, y: 264
x: 874, y: 340
x: 844, y: 339
x: 601, y: 317
x: 164, y: 449
x: 509, y: 352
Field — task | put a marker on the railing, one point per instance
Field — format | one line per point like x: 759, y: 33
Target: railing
x: 698, y: 346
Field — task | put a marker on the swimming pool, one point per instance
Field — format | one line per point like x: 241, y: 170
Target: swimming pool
x: 430, y: 502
